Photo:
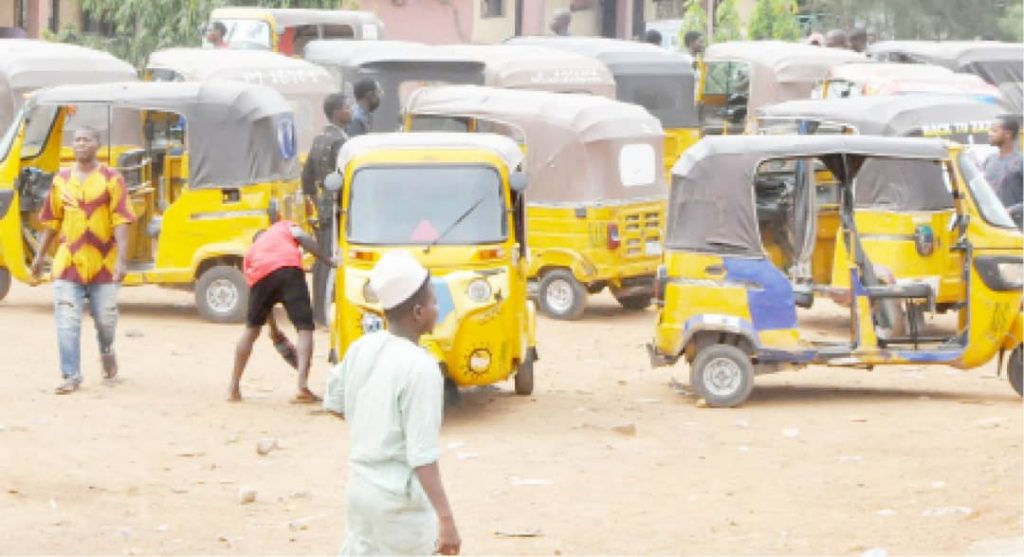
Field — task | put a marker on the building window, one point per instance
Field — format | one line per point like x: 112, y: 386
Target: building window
x: 97, y: 25
x: 492, y: 8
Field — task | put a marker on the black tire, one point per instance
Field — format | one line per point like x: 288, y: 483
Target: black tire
x: 5, y: 282
x: 636, y: 302
x: 722, y: 375
x: 561, y: 296
x: 1014, y: 369
x: 524, y: 377
x: 452, y: 396
x: 222, y: 295
x: 321, y: 272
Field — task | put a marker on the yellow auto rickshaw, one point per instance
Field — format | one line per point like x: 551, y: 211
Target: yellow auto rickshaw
x: 596, y: 202
x: 205, y: 164
x: 904, y: 207
x: 731, y: 313
x: 537, y: 68
x: 303, y: 84
x: 288, y: 31
x: 399, y: 68
x: 663, y: 82
x: 740, y: 77
x: 877, y: 78
x: 460, y: 212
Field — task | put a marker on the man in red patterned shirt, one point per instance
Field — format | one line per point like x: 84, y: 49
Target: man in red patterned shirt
x: 88, y: 211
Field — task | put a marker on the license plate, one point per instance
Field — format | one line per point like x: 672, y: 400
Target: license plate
x: 653, y: 248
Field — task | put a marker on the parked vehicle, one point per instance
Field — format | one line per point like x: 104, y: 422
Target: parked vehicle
x: 855, y: 80
x: 288, y: 31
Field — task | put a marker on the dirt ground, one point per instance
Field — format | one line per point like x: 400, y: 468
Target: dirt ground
x: 608, y: 456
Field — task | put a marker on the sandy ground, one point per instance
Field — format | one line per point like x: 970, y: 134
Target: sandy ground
x: 910, y: 460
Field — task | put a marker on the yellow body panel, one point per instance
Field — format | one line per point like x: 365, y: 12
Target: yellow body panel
x: 677, y: 141
x: 504, y: 325
x: 577, y: 239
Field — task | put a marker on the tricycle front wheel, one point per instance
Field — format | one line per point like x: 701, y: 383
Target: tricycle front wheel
x: 5, y: 282
x: 1014, y: 369
x: 524, y: 377
x: 722, y: 375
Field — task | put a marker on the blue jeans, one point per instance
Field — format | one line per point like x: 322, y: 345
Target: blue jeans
x: 68, y: 302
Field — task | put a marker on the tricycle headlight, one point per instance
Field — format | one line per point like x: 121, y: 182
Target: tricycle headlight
x: 1001, y: 273
x: 371, y: 323
x: 479, y: 291
x: 480, y: 360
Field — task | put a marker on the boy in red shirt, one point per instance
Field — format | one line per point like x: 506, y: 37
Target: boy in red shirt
x: 273, y: 269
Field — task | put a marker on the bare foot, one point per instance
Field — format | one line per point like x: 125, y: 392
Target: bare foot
x: 234, y: 395
x: 305, y: 396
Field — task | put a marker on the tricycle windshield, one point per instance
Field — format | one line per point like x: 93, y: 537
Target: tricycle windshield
x: 991, y: 208
x: 423, y: 205
x: 248, y: 33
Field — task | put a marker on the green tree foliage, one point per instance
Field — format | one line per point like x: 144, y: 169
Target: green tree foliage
x: 922, y: 19
x: 694, y: 19
x: 774, y: 19
x: 727, y: 22
x: 142, y: 26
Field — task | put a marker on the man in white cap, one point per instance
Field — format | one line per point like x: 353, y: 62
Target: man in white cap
x: 391, y: 392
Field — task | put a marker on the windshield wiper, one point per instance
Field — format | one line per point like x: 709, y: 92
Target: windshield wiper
x: 455, y: 223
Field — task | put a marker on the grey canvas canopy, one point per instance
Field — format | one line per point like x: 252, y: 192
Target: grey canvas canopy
x: 499, y: 145
x: 780, y: 71
x: 960, y: 119
x: 995, y: 62
x: 658, y: 80
x: 237, y: 134
x: 359, y: 21
x: 395, y: 66
x: 303, y: 84
x: 712, y: 205
x: 581, y: 149
x: 539, y: 69
x: 27, y: 65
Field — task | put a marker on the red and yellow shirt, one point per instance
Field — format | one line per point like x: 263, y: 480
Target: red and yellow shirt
x: 84, y: 213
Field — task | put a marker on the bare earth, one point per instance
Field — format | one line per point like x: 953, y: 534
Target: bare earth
x: 911, y: 460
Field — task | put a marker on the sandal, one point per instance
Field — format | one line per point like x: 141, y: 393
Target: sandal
x: 67, y: 387
x: 305, y: 398
x: 109, y: 365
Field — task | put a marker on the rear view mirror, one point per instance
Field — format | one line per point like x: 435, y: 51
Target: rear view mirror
x: 517, y: 181
x: 332, y: 182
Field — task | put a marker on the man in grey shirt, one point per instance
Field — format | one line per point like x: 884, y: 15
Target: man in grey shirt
x: 1004, y: 170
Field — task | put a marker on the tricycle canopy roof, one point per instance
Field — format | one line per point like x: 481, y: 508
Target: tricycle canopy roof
x: 712, y: 204
x: 580, y: 148
x: 996, y: 62
x: 955, y: 118
x: 499, y: 145
x: 644, y: 74
x: 781, y: 71
x: 302, y: 83
x: 292, y: 17
x: 348, y: 54
x: 237, y: 134
x: 893, y: 78
x: 27, y: 65
x: 539, y: 68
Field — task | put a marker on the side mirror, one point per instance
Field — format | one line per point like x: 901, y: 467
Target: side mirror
x: 517, y: 181
x: 332, y: 182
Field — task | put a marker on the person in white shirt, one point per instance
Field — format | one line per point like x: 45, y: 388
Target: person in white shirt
x: 391, y: 392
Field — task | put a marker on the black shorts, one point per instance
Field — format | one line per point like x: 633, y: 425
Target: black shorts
x: 286, y: 286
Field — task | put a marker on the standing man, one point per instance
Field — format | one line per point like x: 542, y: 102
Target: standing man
x: 391, y: 392
x: 1004, y: 170
x: 560, y: 20
x: 367, y: 94
x: 322, y: 160
x: 273, y: 269
x: 216, y: 34
x: 89, y: 210
x: 694, y: 43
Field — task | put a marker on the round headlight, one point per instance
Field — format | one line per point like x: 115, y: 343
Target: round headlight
x: 479, y: 360
x: 479, y: 291
x: 368, y: 294
x: 371, y: 323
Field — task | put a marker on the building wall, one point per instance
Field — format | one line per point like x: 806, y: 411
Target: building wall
x: 489, y: 30
x: 427, y: 21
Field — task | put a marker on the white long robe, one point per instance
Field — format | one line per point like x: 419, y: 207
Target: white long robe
x: 392, y: 395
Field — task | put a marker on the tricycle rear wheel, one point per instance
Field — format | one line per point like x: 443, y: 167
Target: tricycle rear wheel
x: 722, y: 375
x: 636, y: 302
x: 1014, y: 370
x: 561, y: 296
x: 222, y: 294
x: 5, y: 282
